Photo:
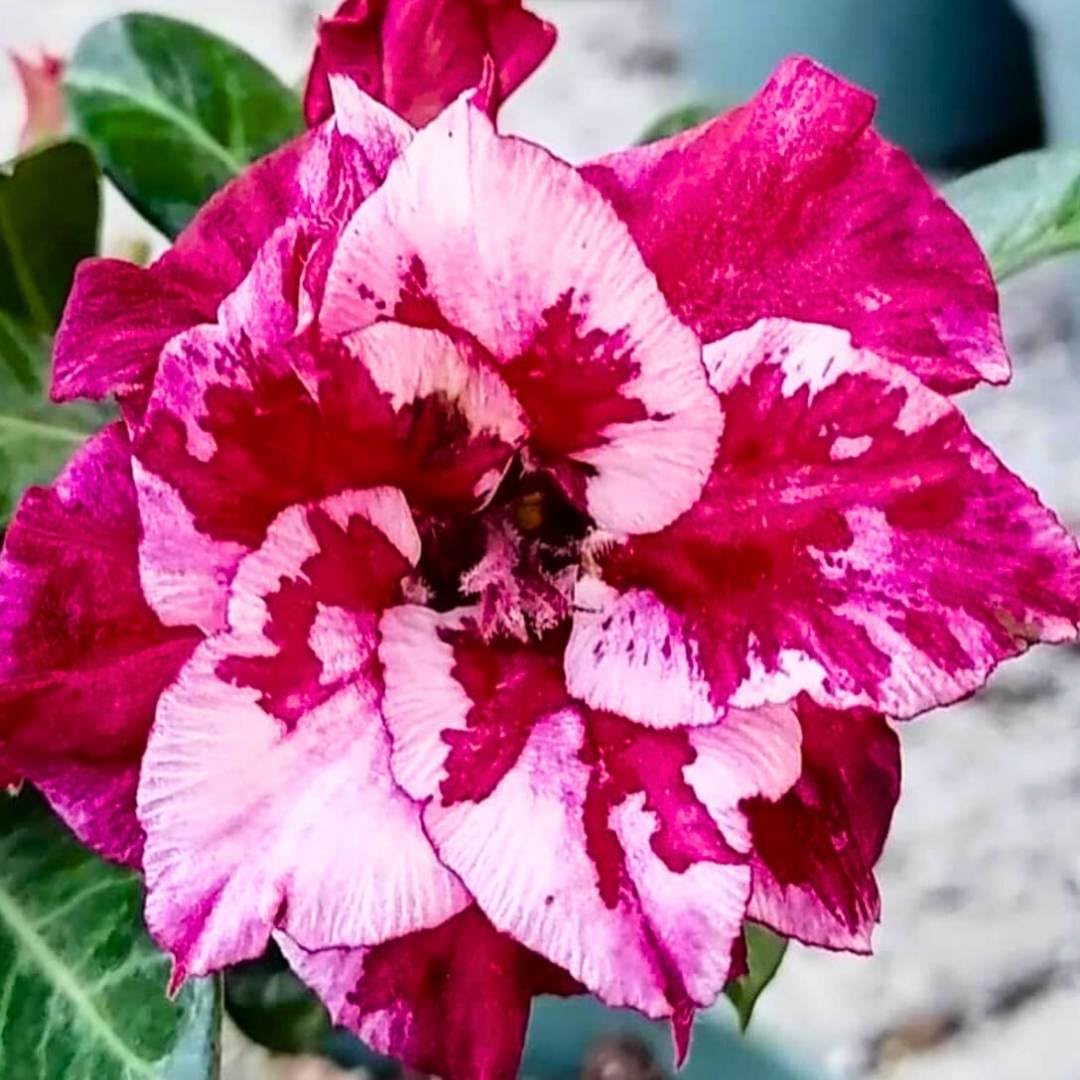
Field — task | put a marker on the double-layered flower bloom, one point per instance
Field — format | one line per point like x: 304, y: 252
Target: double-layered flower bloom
x: 503, y: 569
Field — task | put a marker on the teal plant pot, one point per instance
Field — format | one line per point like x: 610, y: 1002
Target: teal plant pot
x: 955, y: 78
x: 562, y: 1032
x: 1055, y: 26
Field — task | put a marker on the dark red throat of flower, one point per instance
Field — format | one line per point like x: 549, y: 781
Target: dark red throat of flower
x: 517, y: 558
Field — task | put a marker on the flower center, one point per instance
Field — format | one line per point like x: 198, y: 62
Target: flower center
x: 517, y: 559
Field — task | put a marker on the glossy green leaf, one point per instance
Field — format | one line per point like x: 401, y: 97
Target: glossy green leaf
x: 36, y: 436
x: 50, y: 211
x: 174, y: 112
x: 82, y: 988
x: 1024, y: 209
x: 676, y: 121
x: 764, y: 953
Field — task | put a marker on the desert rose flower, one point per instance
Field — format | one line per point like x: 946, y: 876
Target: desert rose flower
x: 503, y: 570
x: 44, y: 97
x: 418, y: 55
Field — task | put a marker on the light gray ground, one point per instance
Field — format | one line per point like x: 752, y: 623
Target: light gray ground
x: 977, y: 972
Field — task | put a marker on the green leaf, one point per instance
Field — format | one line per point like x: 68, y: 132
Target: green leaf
x: 50, y: 211
x: 36, y: 437
x: 764, y: 952
x: 50, y: 214
x: 272, y: 1007
x: 1024, y: 209
x: 174, y: 112
x: 82, y: 988
x: 676, y: 121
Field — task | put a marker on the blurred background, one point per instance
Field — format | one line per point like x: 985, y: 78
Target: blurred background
x: 977, y: 970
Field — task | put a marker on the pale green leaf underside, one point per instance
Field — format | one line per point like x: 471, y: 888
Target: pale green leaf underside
x: 1022, y: 210
x: 678, y: 121
x: 82, y: 988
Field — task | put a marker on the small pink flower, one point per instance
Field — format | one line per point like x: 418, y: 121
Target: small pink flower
x: 417, y: 55
x: 503, y: 570
x: 44, y: 97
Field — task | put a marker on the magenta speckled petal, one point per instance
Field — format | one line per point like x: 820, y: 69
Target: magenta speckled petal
x: 453, y: 1000
x: 418, y: 55
x: 117, y: 320
x: 82, y: 657
x: 815, y: 848
x: 793, y: 206
x: 266, y: 792
x: 855, y: 541
x: 615, y: 851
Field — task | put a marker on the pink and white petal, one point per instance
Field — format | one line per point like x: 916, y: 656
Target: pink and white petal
x: 82, y: 658
x: 199, y: 520
x: 319, y: 177
x: 244, y: 828
x: 453, y: 1000
x: 232, y: 439
x: 227, y: 234
x: 410, y: 363
x: 628, y: 654
x: 185, y: 572
x: 377, y: 130
x: 610, y: 382
x: 579, y: 881
x: 322, y: 541
x: 749, y: 754
x: 855, y: 540
x: 427, y: 375
x: 815, y: 847
x: 271, y: 740
x: 263, y: 309
x: 423, y: 699
x: 119, y: 317
x: 577, y: 833
x: 348, y: 157
x: 792, y: 206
